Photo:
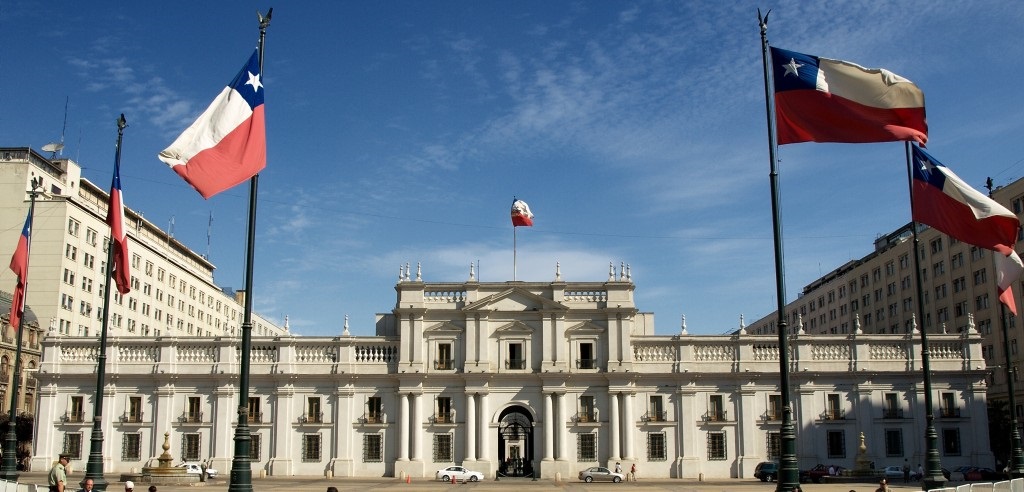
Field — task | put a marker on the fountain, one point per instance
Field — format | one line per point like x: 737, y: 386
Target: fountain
x: 165, y: 473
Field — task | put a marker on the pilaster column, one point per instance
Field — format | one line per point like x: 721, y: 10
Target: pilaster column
x: 549, y: 428
x: 560, y: 419
x: 484, y: 453
x: 628, y: 425
x: 613, y: 426
x: 403, y: 427
x: 471, y: 426
x: 416, y: 427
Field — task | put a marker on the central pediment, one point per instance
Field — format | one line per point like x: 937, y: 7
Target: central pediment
x: 515, y: 300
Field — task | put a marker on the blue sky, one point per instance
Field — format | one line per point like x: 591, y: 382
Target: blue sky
x: 399, y: 131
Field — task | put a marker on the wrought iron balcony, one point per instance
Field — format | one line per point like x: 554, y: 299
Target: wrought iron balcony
x: 715, y: 416
x: 772, y: 416
x: 444, y: 418
x: 444, y: 365
x: 655, y: 417
x: 73, y: 417
x: 586, y: 363
x: 374, y: 418
x: 515, y: 363
x: 833, y: 414
x: 949, y: 412
x: 892, y: 413
x: 191, y: 417
x: 311, y: 418
x: 254, y: 417
x: 586, y: 417
x: 131, y: 418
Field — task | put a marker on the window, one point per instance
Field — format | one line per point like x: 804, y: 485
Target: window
x: 134, y: 414
x: 980, y: 277
x: 190, y: 447
x: 951, y: 442
x: 444, y: 357
x: 131, y: 447
x: 254, y: 447
x: 313, y: 411
x: 893, y: 442
x: 716, y: 409
x: 948, y: 406
x: 957, y: 261
x: 977, y: 253
x: 656, y: 409
x: 73, y: 445
x: 656, y: 447
x: 981, y: 302
x: 773, y: 446
x: 587, y: 360
x: 443, y: 448
x: 90, y: 236
x: 73, y: 226
x: 892, y: 408
x: 310, y: 448
x: 959, y: 284
x: 836, y: 444
x: 940, y: 292
x: 716, y: 446
x: 71, y: 252
x: 833, y: 408
x: 936, y: 245
x: 586, y: 447
x: 255, y: 415
x: 373, y: 448
x: 444, y: 410
x: 774, y: 407
x: 194, y: 412
x: 77, y: 410
x: 515, y: 356
x: 586, y: 413
x: 374, y: 410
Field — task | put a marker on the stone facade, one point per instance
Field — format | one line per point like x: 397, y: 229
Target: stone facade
x: 511, y: 378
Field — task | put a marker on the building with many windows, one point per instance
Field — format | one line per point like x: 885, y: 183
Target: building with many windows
x: 172, y: 287
x: 879, y: 293
x: 514, y: 378
x: 30, y: 354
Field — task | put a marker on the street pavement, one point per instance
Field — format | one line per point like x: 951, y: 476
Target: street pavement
x: 320, y: 484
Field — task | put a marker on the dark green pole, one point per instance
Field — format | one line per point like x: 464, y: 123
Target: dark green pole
x: 9, y: 464
x: 94, y: 467
x: 241, y: 465
x: 933, y: 477
x: 789, y: 472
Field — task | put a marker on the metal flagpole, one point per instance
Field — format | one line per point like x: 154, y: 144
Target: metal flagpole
x: 933, y: 477
x: 514, y: 259
x: 241, y: 465
x: 789, y: 473
x: 9, y: 465
x: 94, y: 467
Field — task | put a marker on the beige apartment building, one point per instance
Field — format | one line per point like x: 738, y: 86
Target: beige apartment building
x: 173, y: 291
x: 31, y: 352
x: 878, y: 294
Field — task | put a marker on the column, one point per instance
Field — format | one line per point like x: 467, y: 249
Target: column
x: 471, y: 427
x: 403, y: 427
x: 549, y: 428
x: 628, y: 426
x: 613, y: 426
x: 562, y: 433
x: 484, y: 453
x: 416, y: 427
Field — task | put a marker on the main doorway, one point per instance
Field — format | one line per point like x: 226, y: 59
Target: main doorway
x: 515, y: 443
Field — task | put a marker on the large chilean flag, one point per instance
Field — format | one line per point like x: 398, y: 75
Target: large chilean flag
x: 19, y: 265
x: 944, y: 201
x: 824, y: 100
x: 227, y: 144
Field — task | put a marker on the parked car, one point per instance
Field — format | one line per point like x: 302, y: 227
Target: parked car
x: 818, y: 472
x: 767, y: 471
x: 976, y: 474
x: 458, y: 473
x: 600, y: 474
x: 894, y: 471
x: 197, y: 469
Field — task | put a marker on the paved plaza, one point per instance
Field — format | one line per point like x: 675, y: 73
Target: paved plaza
x: 320, y: 484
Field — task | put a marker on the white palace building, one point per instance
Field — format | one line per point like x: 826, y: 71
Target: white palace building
x: 511, y: 378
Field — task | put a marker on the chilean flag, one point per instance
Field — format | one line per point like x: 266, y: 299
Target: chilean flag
x: 944, y: 201
x: 227, y: 144
x: 521, y: 215
x: 118, y: 239
x: 824, y: 100
x: 19, y: 265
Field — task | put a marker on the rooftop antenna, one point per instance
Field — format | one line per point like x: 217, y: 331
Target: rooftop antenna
x: 56, y: 147
x: 209, y: 232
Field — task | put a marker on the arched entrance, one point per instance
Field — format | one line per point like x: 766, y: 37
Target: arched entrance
x: 515, y: 443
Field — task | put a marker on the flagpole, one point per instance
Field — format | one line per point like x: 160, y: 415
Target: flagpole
x: 94, y: 467
x: 789, y: 473
x: 514, y: 259
x: 241, y: 465
x: 1016, y: 464
x: 9, y: 466
x: 933, y: 477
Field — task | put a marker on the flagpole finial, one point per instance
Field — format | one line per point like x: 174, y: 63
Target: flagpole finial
x: 264, y: 19
x: 763, y: 21
x: 122, y: 123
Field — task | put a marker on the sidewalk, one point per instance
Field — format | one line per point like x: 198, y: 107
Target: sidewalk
x: 320, y: 484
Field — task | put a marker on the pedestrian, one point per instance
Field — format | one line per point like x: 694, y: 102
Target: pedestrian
x: 58, y: 474
x: 920, y: 471
x: 332, y: 489
x: 129, y: 486
x: 632, y: 472
x: 88, y: 485
x: 152, y: 488
x: 618, y: 467
x: 883, y: 486
x: 906, y: 472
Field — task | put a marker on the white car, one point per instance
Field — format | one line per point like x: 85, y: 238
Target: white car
x: 197, y: 469
x: 894, y: 472
x: 459, y: 474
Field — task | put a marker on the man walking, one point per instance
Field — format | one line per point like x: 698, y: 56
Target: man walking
x: 632, y: 472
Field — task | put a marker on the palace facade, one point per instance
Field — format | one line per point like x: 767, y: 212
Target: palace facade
x: 514, y: 378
